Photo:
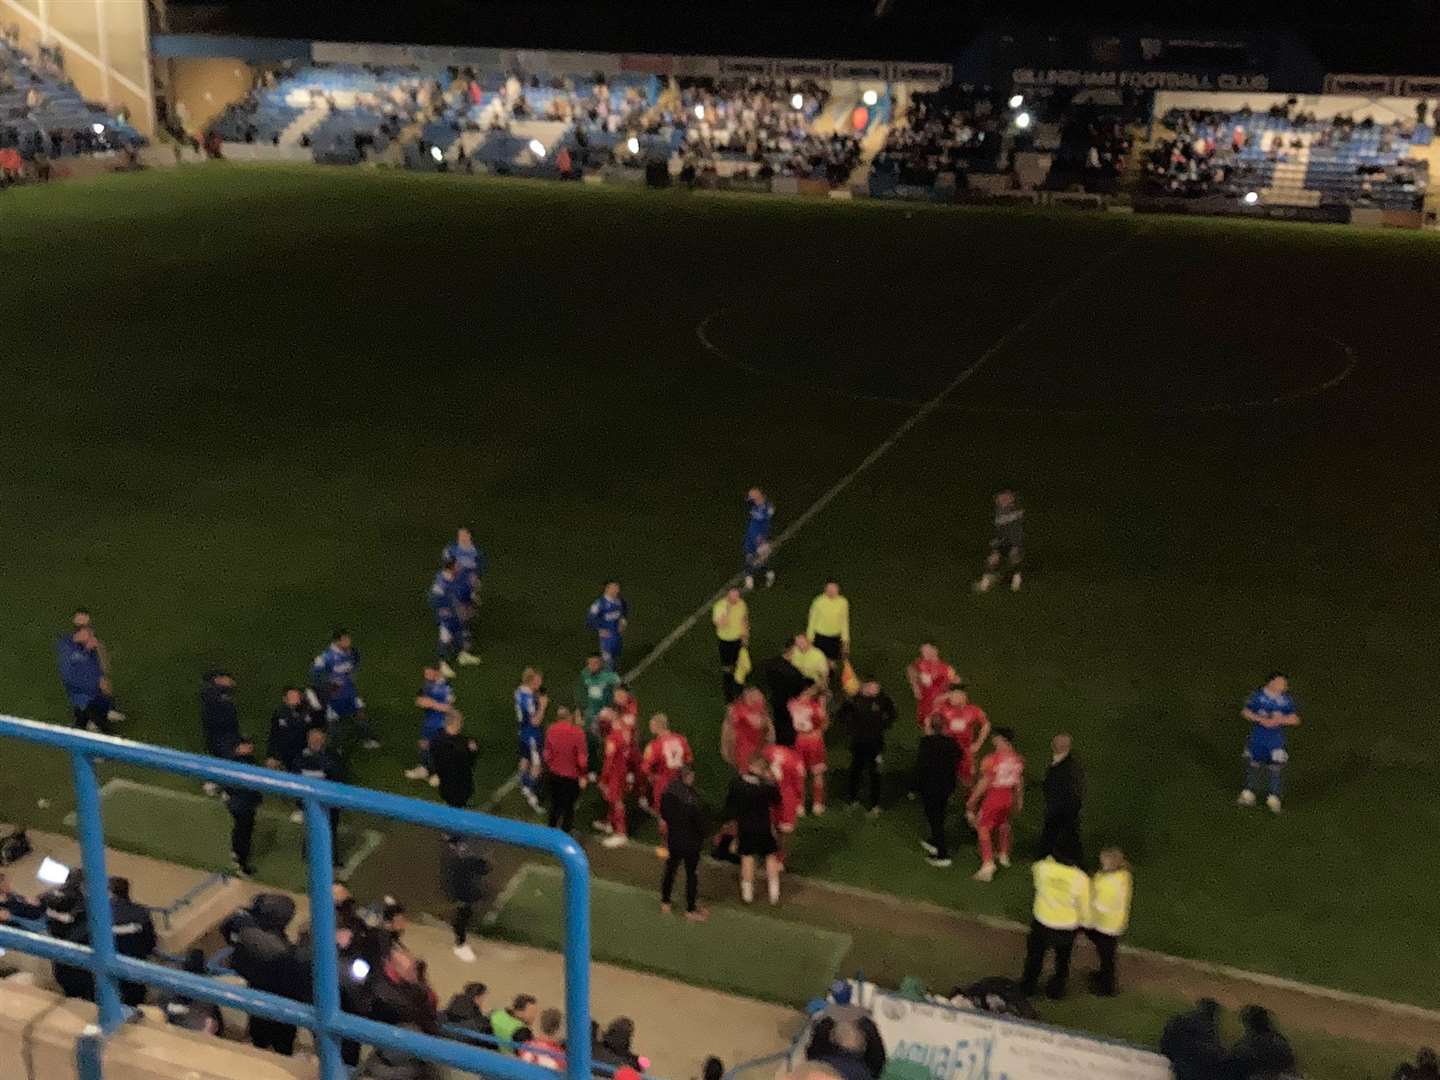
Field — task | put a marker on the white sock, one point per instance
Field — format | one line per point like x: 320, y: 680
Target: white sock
x: 774, y: 890
x: 747, y: 891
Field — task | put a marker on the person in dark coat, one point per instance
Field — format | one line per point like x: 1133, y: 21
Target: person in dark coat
x: 468, y: 1009
x: 752, y: 796
x: 1262, y: 1052
x: 243, y: 803
x: 319, y: 763
x: 463, y: 869
x: 867, y: 716
x: 782, y: 681
x: 265, y: 958
x: 134, y: 932
x: 1064, y: 790
x: 65, y: 920
x: 937, y: 766
x: 685, y: 835
x: 288, y: 724
x: 1192, y: 1042
x: 614, y: 1047
x: 844, y: 1051
x: 1426, y: 1066
x: 452, y: 760
x: 219, y: 719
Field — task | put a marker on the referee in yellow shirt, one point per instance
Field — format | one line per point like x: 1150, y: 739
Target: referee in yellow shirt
x: 731, y: 616
x: 829, y: 625
x: 1062, y: 906
x: 1110, y: 891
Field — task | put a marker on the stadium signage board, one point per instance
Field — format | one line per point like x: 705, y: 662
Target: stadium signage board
x: 1417, y: 86
x: 1362, y: 85
x: 964, y: 1044
x: 861, y: 69
x: 1139, y: 80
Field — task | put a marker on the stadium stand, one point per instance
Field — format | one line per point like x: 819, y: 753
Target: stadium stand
x: 43, y: 115
x: 1291, y: 160
x: 947, y: 131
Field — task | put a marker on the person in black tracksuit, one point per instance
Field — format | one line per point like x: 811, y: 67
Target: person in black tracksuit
x: 867, y: 716
x: 685, y: 835
x: 219, y: 720
x: 452, y: 759
x: 937, y: 766
x: 243, y: 803
x: 463, y: 869
x: 134, y: 932
x: 288, y: 724
x: 1064, y: 790
x: 317, y: 762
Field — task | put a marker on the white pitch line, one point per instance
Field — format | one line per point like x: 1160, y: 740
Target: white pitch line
x: 840, y: 486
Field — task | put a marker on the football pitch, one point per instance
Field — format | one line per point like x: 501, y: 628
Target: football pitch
x: 243, y: 407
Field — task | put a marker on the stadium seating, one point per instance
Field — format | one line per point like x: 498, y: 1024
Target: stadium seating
x: 1299, y: 161
x: 43, y: 112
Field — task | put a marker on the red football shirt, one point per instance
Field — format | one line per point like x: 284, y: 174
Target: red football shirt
x: 934, y: 677
x: 663, y: 759
x: 788, y: 768
x: 749, y: 727
x: 1005, y: 769
x: 565, y: 752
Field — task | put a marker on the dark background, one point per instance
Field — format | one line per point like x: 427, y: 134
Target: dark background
x: 1395, y: 36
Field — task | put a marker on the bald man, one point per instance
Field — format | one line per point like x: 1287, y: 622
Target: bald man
x: 1064, y: 790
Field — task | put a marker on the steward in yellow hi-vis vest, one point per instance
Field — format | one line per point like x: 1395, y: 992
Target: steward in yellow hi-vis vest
x: 1062, y: 906
x: 1110, y: 891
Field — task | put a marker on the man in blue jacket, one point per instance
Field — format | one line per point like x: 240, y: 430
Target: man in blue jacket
x: 83, y: 675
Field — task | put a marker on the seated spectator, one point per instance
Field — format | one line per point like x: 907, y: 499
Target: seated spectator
x: 838, y: 1010
x: 845, y: 1052
x: 514, y: 1025
x: 547, y: 1049
x: 398, y: 993
x: 15, y: 906
x: 267, y: 960
x: 134, y: 932
x: 1192, y: 1042
x: 187, y: 1012
x: 467, y: 1009
x: 1262, y: 1052
x: 614, y: 1047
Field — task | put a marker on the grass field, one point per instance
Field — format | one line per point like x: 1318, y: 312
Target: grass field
x: 243, y: 406
x: 745, y: 953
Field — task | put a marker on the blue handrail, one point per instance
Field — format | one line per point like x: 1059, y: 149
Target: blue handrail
x: 325, y: 1018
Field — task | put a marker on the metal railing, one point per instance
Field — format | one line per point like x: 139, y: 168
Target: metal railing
x: 324, y: 1017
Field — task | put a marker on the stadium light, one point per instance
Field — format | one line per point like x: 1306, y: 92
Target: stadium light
x: 98, y: 128
x: 537, y: 147
x: 1251, y: 198
x: 870, y: 97
x: 699, y: 112
x: 437, y: 153
x: 1022, y: 121
x: 53, y: 872
x: 359, y: 969
x: 797, y: 102
x: 632, y: 144
x: 1016, y: 100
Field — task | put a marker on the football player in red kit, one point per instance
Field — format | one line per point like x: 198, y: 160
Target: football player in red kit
x: 997, y: 798
x: 967, y: 724
x: 748, y: 729
x: 929, y: 678
x: 664, y: 757
x: 617, y: 778
x: 807, y: 713
x: 788, y: 768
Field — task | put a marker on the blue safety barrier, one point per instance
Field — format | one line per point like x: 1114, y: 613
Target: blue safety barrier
x: 325, y: 1018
